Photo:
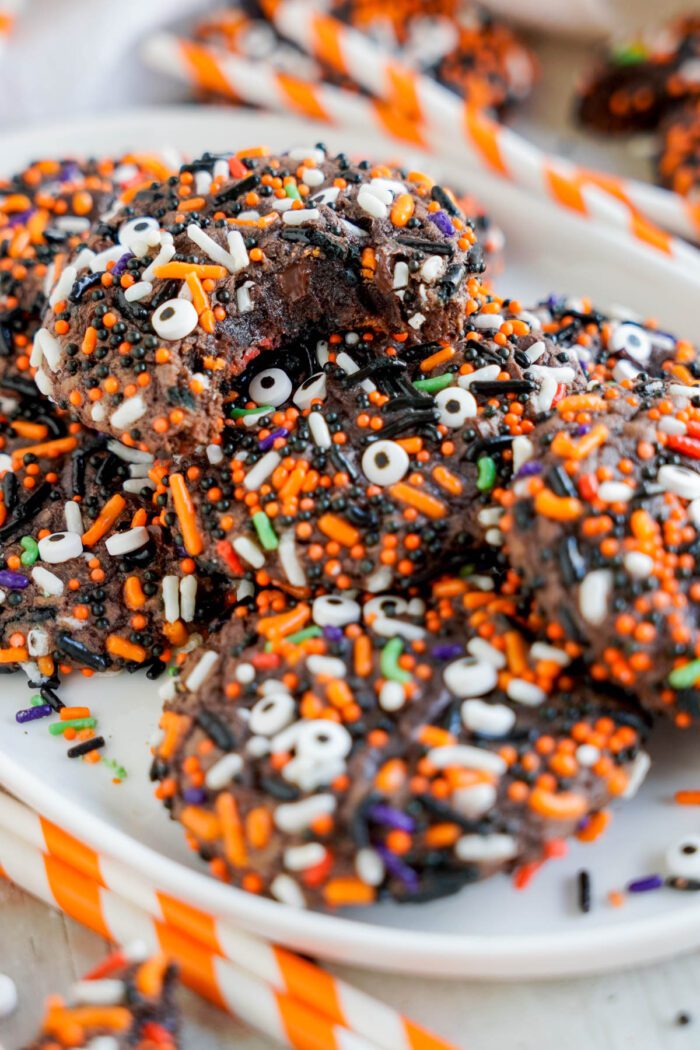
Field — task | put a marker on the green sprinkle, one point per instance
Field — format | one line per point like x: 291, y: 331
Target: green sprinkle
x: 487, y: 474
x: 265, y: 531
x: 466, y: 570
x: 685, y: 676
x: 172, y: 671
x: 118, y: 770
x: 435, y: 382
x: 630, y: 55
x: 30, y: 550
x: 236, y: 413
x: 301, y: 636
x: 291, y: 190
x: 58, y: 728
x: 36, y: 701
x: 388, y: 662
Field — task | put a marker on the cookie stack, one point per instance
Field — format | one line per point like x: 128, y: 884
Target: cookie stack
x: 422, y: 559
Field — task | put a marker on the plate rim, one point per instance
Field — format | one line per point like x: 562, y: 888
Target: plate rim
x: 338, y: 937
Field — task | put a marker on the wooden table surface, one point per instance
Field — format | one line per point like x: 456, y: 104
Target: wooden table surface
x: 635, y: 1010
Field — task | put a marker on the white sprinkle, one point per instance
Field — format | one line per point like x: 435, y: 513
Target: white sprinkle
x: 319, y: 430
x: 284, y: 204
x: 245, y: 673
x: 48, y: 582
x: 534, y: 352
x: 64, y: 285
x: 211, y: 248
x: 244, y: 300
x: 487, y: 321
x: 587, y: 755
x: 671, y: 425
x: 307, y: 153
x: 369, y: 866
x: 201, y: 672
x: 47, y: 348
x: 524, y: 692
x: 249, y: 551
x: 74, y: 519
x: 100, y: 261
x: 433, y: 268
x: 8, y: 995
x: 135, y: 292
x: 683, y: 482
x: 638, y: 565
x: 467, y: 757
x: 480, y: 649
x: 312, y: 176
x: 486, y: 849
x: 171, y: 598
x: 389, y: 627
x: 37, y: 642
x: 298, y: 216
x: 43, y: 382
x: 167, y: 251
x: 261, y: 470
x: 128, y: 412
x: 223, y: 772
x: 291, y: 564
x: 542, y: 400
x: 299, y: 858
x: 215, y: 454
x: 495, y: 537
x: 97, y: 993
x: 286, y: 890
x: 594, y: 594
x: 615, y: 492
x: 488, y: 719
x: 129, y: 455
x: 392, y: 696
x: 202, y: 183
x: 293, y: 817
x: 468, y: 677
x: 523, y: 450
x: 188, y: 597
x: 326, y: 665
x: 371, y: 204
x: 392, y: 185
x: 124, y: 542
x: 680, y: 390
x: 542, y: 651
x: 135, y: 485
x: 379, y: 580
x: 637, y: 774
x: 238, y: 250
x: 400, y: 278
x: 486, y: 374
x: 416, y: 320
x: 490, y: 515
x: 474, y: 802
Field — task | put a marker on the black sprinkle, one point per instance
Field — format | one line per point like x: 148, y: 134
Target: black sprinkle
x: 504, y: 386
x: 216, y: 730
x: 51, y: 698
x: 424, y: 245
x: 72, y: 647
x: 85, y: 746
x: 231, y: 193
x: 444, y: 200
x: 584, y: 891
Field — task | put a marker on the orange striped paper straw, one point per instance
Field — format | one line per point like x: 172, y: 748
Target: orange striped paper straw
x: 450, y: 124
x: 287, y: 973
x: 276, y: 1015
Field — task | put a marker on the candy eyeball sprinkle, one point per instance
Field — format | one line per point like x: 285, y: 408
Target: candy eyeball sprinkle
x: 175, y: 319
x: 385, y: 463
x: 632, y: 340
x: 138, y: 235
x: 310, y: 390
x: 384, y: 605
x: 320, y: 740
x: 271, y: 387
x: 470, y: 677
x: 271, y: 714
x: 332, y: 610
x: 683, y: 858
x: 455, y: 406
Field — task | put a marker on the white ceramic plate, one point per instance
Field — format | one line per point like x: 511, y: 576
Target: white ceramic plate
x: 490, y: 930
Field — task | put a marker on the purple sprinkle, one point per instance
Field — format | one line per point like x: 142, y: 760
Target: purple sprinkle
x: 30, y: 713
x: 333, y: 634
x: 396, y: 867
x: 444, y: 223
x: 553, y: 302
x: 446, y: 652
x: 582, y: 429
x: 120, y: 265
x: 16, y: 581
x: 650, y: 882
x: 194, y: 796
x: 269, y: 441
x: 69, y: 171
x: 392, y: 818
x: 17, y: 218
x: 528, y: 469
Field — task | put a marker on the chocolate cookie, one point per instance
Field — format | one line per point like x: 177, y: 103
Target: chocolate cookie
x: 602, y: 526
x: 634, y: 86
x: 88, y: 578
x: 338, y: 751
x: 200, y: 273
x: 362, y: 461
x: 46, y: 212
x: 122, y: 1005
x: 678, y: 163
x: 615, y: 343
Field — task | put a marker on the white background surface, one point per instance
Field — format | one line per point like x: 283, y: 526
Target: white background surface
x: 84, y: 68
